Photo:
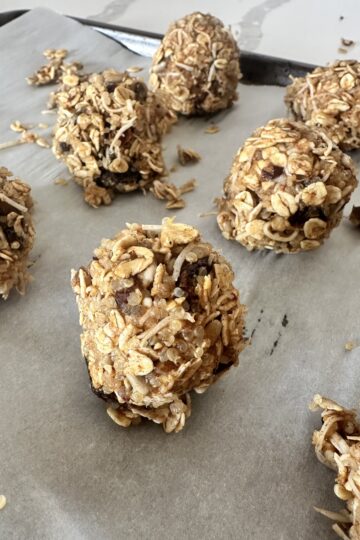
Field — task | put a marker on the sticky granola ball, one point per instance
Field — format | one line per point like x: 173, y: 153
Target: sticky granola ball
x: 108, y: 133
x: 337, y: 445
x: 286, y: 189
x: 329, y: 98
x: 16, y: 233
x: 196, y: 67
x: 160, y: 317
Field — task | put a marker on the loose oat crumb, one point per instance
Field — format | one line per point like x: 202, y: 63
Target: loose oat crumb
x: 61, y: 182
x: 347, y: 42
x: 55, y: 69
x: 43, y: 126
x: 212, y: 129
x: 173, y: 168
x: 2, y: 501
x: 351, y: 345
x: 168, y: 191
x: 355, y: 216
x: 134, y: 69
x: 165, y: 321
x: 19, y: 127
x: 207, y: 214
x: 187, y: 156
x: 342, y: 50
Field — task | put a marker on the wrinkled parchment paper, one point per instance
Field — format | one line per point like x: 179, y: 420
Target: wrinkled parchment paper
x: 243, y: 468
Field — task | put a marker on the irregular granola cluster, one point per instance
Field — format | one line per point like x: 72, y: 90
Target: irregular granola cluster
x: 337, y: 445
x: 55, y: 69
x: 108, y: 133
x: 160, y: 317
x: 196, y: 67
x: 329, y: 98
x: 16, y: 233
x: 286, y: 190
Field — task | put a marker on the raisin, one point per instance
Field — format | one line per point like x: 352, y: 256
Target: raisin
x: 11, y: 235
x: 65, y: 147
x: 110, y: 86
x: 140, y: 91
x: 271, y: 171
x: 119, y: 181
x: 189, y: 277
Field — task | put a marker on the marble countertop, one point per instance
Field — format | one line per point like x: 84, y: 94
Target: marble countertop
x: 304, y: 30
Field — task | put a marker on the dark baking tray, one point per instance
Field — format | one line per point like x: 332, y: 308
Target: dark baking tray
x: 256, y: 68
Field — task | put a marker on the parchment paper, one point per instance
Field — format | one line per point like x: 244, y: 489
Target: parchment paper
x: 243, y: 468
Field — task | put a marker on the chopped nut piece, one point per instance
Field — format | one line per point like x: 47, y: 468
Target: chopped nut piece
x: 151, y: 339
x: 355, y: 216
x: 337, y: 445
x: 108, y: 134
x: 212, y: 129
x: 328, y: 98
x: 286, y: 189
x: 187, y: 156
x: 196, y: 68
x: 2, y: 501
x: 16, y: 233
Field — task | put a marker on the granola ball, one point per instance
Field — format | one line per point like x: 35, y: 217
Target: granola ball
x: 286, y: 189
x: 160, y: 317
x: 329, y: 98
x: 16, y: 233
x: 337, y: 445
x: 108, y: 133
x: 196, y: 67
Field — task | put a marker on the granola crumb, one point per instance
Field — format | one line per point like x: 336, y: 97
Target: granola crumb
x: 115, y: 146
x: 42, y: 125
x: 16, y: 233
x: 286, y: 189
x: 347, y: 42
x: 327, y: 99
x: 350, y: 345
x: 173, y: 168
x: 134, y: 69
x: 187, y: 156
x: 167, y: 191
x: 211, y: 130
x: 208, y: 214
x: 342, y: 50
x: 355, y: 216
x: 196, y: 68
x: 61, y: 182
x: 55, y: 69
x: 19, y: 127
x: 167, y: 320
x: 2, y: 501
x: 337, y: 445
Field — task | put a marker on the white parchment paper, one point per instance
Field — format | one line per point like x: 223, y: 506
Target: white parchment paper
x: 243, y: 468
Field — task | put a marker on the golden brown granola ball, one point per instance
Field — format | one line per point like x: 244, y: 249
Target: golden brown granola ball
x: 16, y: 233
x: 286, y: 189
x: 160, y: 317
x: 196, y: 67
x: 337, y: 445
x: 108, y: 133
x: 329, y: 98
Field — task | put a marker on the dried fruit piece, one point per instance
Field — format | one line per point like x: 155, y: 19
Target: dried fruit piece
x: 355, y: 216
x: 196, y: 68
x: 16, y: 233
x: 174, y: 326
x: 328, y: 98
x: 286, y: 189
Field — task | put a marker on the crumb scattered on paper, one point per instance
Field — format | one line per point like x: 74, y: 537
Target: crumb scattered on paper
x: 207, y: 214
x: 347, y: 42
x: 212, y: 129
x: 2, y: 501
x: 61, y: 182
x: 173, y: 194
x: 187, y: 156
x: 351, y: 345
x: 134, y: 69
x: 173, y: 168
x: 355, y: 216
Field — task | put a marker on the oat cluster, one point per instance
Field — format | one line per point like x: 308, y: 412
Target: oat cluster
x: 286, y: 189
x: 160, y: 317
x: 196, y: 67
x: 337, y: 445
x: 55, y: 69
x: 108, y: 133
x: 16, y: 233
x: 329, y: 98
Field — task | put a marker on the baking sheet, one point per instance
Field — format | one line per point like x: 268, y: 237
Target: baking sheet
x: 243, y: 467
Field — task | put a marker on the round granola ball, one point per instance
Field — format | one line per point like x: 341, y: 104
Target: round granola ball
x: 16, y: 233
x: 160, y: 317
x: 329, y: 98
x: 286, y: 189
x: 196, y: 67
x: 108, y: 133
